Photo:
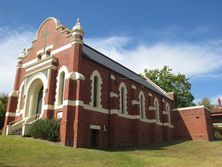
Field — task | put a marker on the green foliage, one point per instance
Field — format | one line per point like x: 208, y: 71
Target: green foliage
x: 177, y: 83
x: 3, y: 106
x: 47, y: 129
x: 218, y: 133
x: 206, y: 102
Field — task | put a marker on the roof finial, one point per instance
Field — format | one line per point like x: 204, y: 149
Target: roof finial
x: 78, y: 22
x: 23, y: 54
x: 77, y: 28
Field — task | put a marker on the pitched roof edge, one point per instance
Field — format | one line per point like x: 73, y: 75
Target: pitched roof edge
x: 158, y: 87
x: 161, y: 91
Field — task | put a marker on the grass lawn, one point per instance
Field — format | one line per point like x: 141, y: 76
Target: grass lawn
x: 17, y: 151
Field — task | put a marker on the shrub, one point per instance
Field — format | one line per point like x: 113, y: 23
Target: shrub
x: 218, y: 132
x: 47, y: 129
x: 3, y: 106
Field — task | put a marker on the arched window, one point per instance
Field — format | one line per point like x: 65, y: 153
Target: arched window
x: 61, y: 88
x: 142, y: 105
x: 157, y: 110
x: 21, y: 97
x: 123, y: 98
x: 122, y: 109
x: 60, y: 85
x: 96, y: 88
x: 168, y: 113
x: 95, y: 91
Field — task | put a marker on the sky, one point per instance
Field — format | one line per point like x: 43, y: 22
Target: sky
x: 185, y: 35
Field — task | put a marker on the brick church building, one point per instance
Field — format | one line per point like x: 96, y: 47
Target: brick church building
x: 100, y: 102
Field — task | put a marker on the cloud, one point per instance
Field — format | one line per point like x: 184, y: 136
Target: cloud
x: 114, y: 47
x: 12, y: 42
x: 175, y: 32
x: 193, y: 59
x: 200, y: 59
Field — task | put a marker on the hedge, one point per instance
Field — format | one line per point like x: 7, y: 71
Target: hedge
x: 218, y: 132
x: 47, y: 129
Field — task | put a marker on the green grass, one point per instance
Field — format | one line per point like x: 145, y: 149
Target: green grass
x: 25, y: 152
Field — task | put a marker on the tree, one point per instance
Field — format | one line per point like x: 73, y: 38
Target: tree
x: 3, y: 106
x: 177, y: 83
x: 207, y: 103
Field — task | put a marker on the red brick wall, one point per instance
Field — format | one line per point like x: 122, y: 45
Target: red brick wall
x: 124, y: 131
x: 192, y: 124
x: 76, y: 121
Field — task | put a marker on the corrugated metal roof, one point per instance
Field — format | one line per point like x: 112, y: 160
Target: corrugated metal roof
x: 113, y: 65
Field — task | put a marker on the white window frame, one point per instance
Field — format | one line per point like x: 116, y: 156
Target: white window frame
x: 99, y: 89
x: 122, y: 85
x: 157, y: 109
x: 58, y: 85
x: 168, y: 113
x: 21, y: 96
x: 142, y: 105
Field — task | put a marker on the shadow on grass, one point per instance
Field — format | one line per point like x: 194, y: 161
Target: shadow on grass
x: 159, y: 146
x: 154, y: 146
x: 4, y: 165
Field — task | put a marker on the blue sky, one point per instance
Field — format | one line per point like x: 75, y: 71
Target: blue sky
x: 183, y: 34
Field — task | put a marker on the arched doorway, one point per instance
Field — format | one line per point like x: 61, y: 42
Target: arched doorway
x: 39, y: 101
x: 35, y: 97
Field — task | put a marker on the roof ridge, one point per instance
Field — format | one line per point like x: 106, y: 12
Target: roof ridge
x: 121, y: 69
x: 154, y: 84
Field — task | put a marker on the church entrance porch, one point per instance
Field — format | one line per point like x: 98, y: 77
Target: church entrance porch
x: 33, y: 109
x: 34, y: 104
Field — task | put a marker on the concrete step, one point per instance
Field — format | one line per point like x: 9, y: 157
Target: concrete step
x: 17, y: 131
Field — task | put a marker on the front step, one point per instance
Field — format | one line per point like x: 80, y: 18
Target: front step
x: 22, y: 127
x: 17, y: 132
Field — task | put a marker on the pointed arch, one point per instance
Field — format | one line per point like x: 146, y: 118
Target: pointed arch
x: 157, y: 109
x: 20, y: 99
x: 96, y: 89
x: 123, y: 98
x: 34, y: 85
x: 60, y: 85
x: 168, y: 113
x: 142, y: 103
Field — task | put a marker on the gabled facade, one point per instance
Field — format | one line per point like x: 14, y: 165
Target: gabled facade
x: 100, y: 102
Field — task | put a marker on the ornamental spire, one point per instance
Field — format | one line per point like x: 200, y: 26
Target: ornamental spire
x: 78, y: 22
x: 77, y: 29
x: 23, y: 54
